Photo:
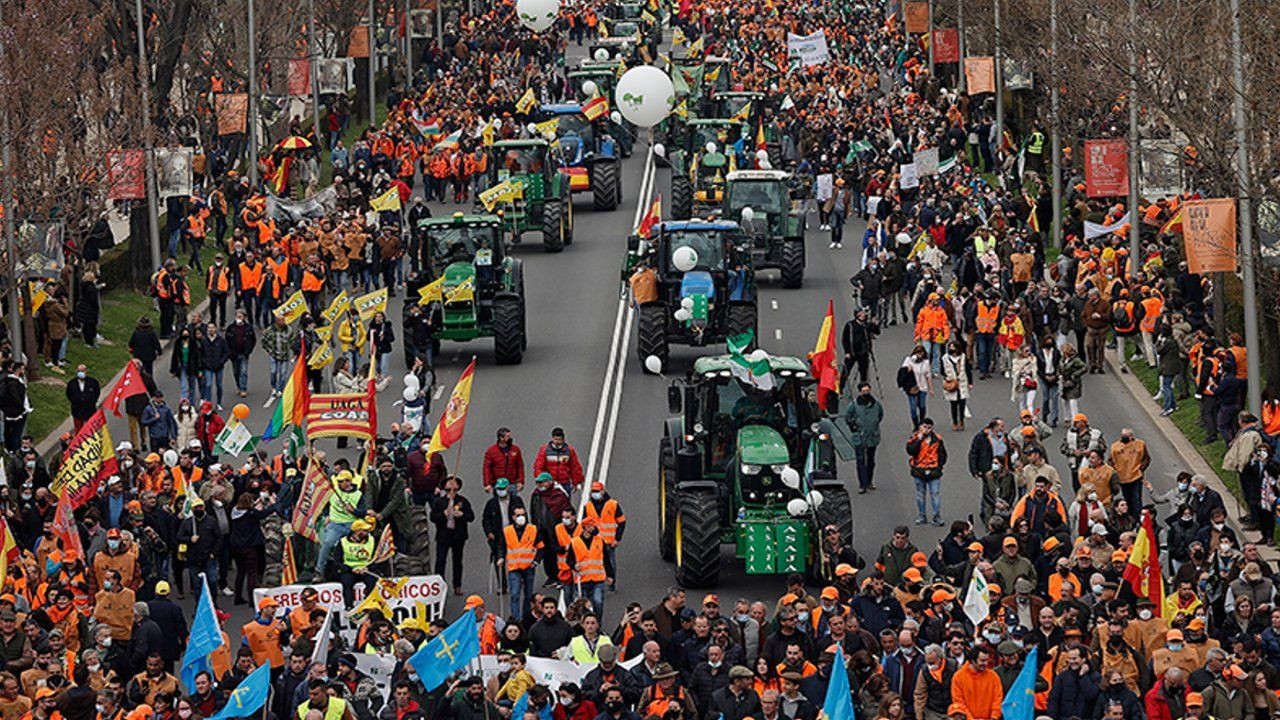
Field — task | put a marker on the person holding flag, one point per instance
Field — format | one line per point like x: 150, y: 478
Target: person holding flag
x: 346, y: 503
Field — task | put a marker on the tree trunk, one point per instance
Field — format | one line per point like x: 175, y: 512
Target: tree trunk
x: 139, y: 245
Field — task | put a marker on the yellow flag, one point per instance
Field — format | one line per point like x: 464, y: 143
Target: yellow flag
x: 711, y: 76
x: 681, y: 110
x: 463, y: 292
x: 324, y: 333
x: 371, y: 303
x: 373, y: 602
x: 526, y: 101
x: 337, y: 307
x: 431, y: 292
x: 387, y: 201
x: 677, y: 37
x: 321, y: 357
x: 293, y: 308
x: 743, y: 114
x: 548, y: 128
x: 505, y: 191
x: 486, y: 135
x: 695, y: 48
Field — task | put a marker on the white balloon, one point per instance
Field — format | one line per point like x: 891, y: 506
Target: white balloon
x: 589, y: 88
x: 815, y: 499
x: 748, y: 214
x: 765, y: 164
x: 790, y: 477
x: 762, y: 154
x: 683, y: 314
x: 170, y: 457
x: 710, y: 147
x: 532, y: 128
x: 659, y: 149
x: 902, y: 238
x: 684, y: 258
x: 653, y: 364
x: 686, y: 303
x: 602, y: 54
x: 645, y: 95
x: 797, y: 507
x: 537, y: 15
x: 758, y: 355
x: 412, y: 381
x: 616, y: 117
x: 409, y: 394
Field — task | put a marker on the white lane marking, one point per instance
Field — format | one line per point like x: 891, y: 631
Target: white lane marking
x: 439, y: 392
x: 611, y: 389
x: 773, y: 304
x: 777, y: 334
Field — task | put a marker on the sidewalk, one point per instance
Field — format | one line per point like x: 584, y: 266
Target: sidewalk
x: 1191, y: 458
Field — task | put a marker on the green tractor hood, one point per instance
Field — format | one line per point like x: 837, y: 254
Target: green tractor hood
x: 762, y: 445
x: 458, y: 274
x: 459, y: 312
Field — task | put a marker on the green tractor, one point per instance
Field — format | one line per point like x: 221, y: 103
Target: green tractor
x: 760, y: 201
x: 482, y: 294
x: 748, y: 461
x: 705, y: 287
x: 545, y: 204
x: 699, y: 166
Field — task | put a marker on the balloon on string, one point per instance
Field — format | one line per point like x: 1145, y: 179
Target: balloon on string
x: 684, y: 258
x: 653, y: 364
x: 645, y: 95
x: 537, y: 15
x: 240, y: 411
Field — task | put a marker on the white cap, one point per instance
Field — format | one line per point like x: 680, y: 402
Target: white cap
x: 1098, y: 529
x: 215, y: 468
x: 124, y: 445
x: 113, y: 479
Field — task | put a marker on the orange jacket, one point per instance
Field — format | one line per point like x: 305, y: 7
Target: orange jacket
x: 932, y: 324
x: 978, y: 692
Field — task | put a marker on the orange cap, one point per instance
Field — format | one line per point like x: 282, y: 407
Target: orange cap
x: 597, y: 487
x: 844, y: 569
x: 976, y: 546
x: 473, y: 602
x: 919, y: 560
x: 1195, y: 699
x: 711, y: 599
x: 267, y: 602
x: 1083, y: 551
x: 940, y: 596
x: 1080, y: 417
x: 830, y: 593
x: 912, y: 575
x: 1119, y: 555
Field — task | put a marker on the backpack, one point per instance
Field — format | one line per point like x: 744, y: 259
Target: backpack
x: 1120, y: 318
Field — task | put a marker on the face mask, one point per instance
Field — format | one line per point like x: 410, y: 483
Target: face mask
x: 521, y: 520
x: 1064, y: 571
x: 1144, y: 614
x: 101, y: 708
x: 1182, y: 487
x: 1126, y: 439
x: 1174, y: 647
x: 1224, y: 548
x: 1097, y: 589
x: 1093, y: 497
x: 504, y: 667
x: 113, y: 544
x: 992, y: 637
x: 597, y: 495
x: 31, y: 464
x: 502, y: 493
x: 714, y: 665
x: 94, y: 669
x: 106, y: 584
x: 1186, y: 518
x: 184, y: 713
x: 26, y: 496
x: 1218, y: 526
x: 80, y: 375
x: 566, y: 701
x: 948, y: 606
x: 106, y: 642
x: 1019, y: 644
x: 613, y: 707
x: 742, y: 617
x: 568, y: 522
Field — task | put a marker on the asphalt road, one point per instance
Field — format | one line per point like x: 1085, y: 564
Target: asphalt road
x: 573, y: 313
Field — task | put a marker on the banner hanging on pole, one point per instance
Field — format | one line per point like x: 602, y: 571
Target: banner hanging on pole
x: 1106, y: 168
x: 1209, y: 235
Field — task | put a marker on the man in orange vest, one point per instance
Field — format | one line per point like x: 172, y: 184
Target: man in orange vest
x: 1152, y: 307
x: 986, y: 321
x: 927, y: 457
x: 490, y: 625
x: 217, y: 281
x: 607, y: 514
x: 523, y: 547
x: 262, y: 634
x: 249, y: 283
x: 586, y: 557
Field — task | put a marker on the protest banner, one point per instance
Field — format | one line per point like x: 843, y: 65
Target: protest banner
x: 917, y: 17
x: 808, y: 49
x: 90, y: 457
x: 339, y: 415
x: 126, y: 174
x: 1160, y: 166
x: 430, y: 590
x: 980, y: 74
x: 1106, y: 168
x: 299, y: 76
x: 331, y: 76
x: 1209, y: 235
x: 926, y: 162
x: 320, y: 205
x: 232, y: 111
x: 313, y: 498
x: 173, y: 172
x: 946, y: 45
x: 907, y: 176
x: 292, y: 308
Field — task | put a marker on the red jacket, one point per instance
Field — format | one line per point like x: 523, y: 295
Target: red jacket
x: 1157, y: 705
x: 507, y: 464
x: 562, y: 464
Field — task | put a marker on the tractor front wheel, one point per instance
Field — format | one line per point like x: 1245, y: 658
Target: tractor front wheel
x: 837, y: 509
x: 651, y: 336
x: 681, y: 197
x: 697, y: 538
x: 552, y: 227
x: 604, y: 186
x: 792, y: 263
x: 741, y: 319
x: 666, y: 500
x: 508, y: 331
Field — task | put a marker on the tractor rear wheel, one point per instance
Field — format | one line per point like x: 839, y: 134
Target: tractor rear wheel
x: 666, y: 500
x: 604, y: 185
x: 836, y: 509
x: 567, y: 203
x: 697, y: 538
x: 651, y: 336
x: 508, y: 331
x: 792, y: 263
x: 552, y: 227
x: 681, y: 197
x: 741, y: 319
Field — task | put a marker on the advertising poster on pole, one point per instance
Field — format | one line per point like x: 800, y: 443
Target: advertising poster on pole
x: 1106, y: 168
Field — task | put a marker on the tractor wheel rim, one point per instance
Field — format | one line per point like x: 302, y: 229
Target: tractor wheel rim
x: 679, y: 540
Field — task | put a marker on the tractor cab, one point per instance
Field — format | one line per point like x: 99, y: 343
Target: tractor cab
x: 527, y: 161
x: 716, y: 74
x: 617, y: 47
x: 624, y: 11
x: 604, y: 75
x: 470, y: 240
x: 589, y: 153
x: 760, y: 201
x: 735, y: 103
x: 698, y: 169
x: 542, y: 201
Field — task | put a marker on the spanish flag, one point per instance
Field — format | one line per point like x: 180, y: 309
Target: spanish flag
x: 822, y: 360
x: 526, y: 101
x: 454, y: 418
x: 8, y: 550
x: 1174, y: 226
x: 651, y: 218
x: 760, y: 141
x: 1143, y: 571
x: 596, y: 108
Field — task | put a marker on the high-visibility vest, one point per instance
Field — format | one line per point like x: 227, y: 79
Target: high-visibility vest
x: 488, y: 635
x: 1126, y: 307
x: 335, y: 710
x: 163, y: 291
x: 606, y: 519
x: 218, y: 279
x: 312, y: 281
x: 1036, y: 144
x: 264, y: 642
x: 522, y: 546
x: 988, y: 317
x: 342, y: 505
x: 279, y: 268
x: 590, y: 559
x: 250, y: 276
x: 926, y: 456
x: 659, y: 701
x: 357, y: 554
x: 1151, y: 308
x: 195, y: 225
x: 563, y: 540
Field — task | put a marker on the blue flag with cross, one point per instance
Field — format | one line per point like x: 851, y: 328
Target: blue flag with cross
x: 1020, y: 702
x: 249, y: 697
x: 838, y: 704
x: 205, y: 637
x: 448, y: 652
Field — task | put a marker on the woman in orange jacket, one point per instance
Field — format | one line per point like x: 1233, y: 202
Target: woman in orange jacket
x: 933, y: 329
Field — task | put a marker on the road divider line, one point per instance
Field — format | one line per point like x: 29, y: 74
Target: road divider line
x: 777, y: 334
x: 611, y: 389
x: 773, y: 304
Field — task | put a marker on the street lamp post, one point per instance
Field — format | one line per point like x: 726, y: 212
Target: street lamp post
x: 1055, y: 138
x: 252, y: 118
x: 1244, y: 218
x: 144, y: 81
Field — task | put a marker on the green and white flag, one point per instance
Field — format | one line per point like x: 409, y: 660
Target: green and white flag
x: 977, y: 602
x: 947, y: 164
x: 753, y: 368
x: 235, y: 438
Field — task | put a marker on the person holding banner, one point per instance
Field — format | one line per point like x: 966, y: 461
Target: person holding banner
x: 357, y: 556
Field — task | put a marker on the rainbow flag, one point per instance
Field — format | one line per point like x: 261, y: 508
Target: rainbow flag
x: 292, y: 407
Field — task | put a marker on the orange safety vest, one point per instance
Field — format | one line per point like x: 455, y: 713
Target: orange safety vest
x: 312, y: 281
x: 659, y: 703
x: 606, y: 519
x: 181, y: 482
x: 218, y: 279
x: 563, y: 540
x: 1125, y: 306
x: 488, y: 635
x: 195, y: 225
x: 1242, y: 361
x: 279, y: 269
x: 251, y: 276
x: 1151, y: 308
x: 926, y: 456
x: 162, y: 284
x: 522, y: 548
x: 988, y: 317
x: 264, y: 642
x: 590, y: 559
x: 1271, y: 417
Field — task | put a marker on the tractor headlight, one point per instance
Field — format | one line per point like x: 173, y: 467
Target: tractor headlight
x: 784, y: 373
x: 751, y: 495
x: 698, y: 428
x: 815, y: 428
x: 824, y: 437
x: 778, y: 468
x: 688, y: 438
x: 749, y: 469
